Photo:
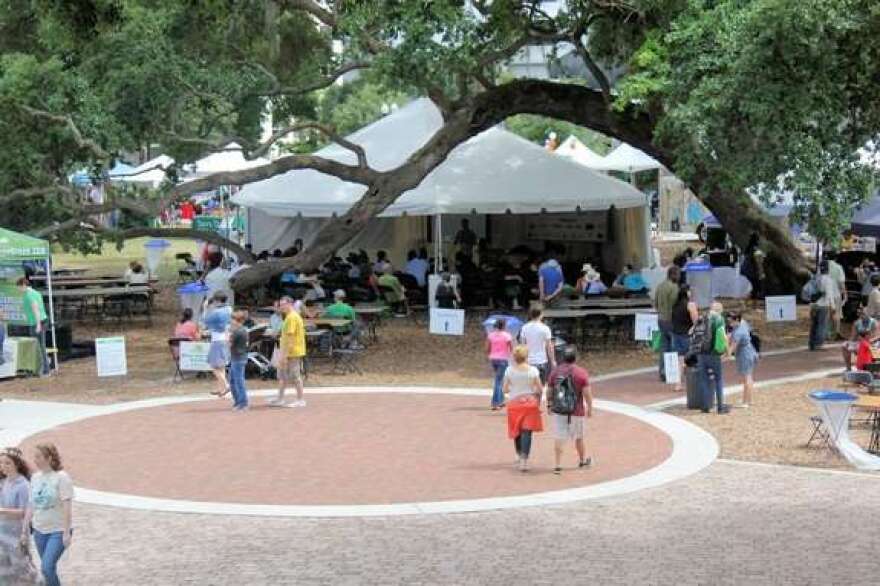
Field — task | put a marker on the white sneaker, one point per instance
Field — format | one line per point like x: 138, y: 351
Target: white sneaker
x: 276, y: 402
x: 300, y: 403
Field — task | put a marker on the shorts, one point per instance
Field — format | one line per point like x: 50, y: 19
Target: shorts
x: 543, y: 371
x: 563, y: 429
x: 292, y: 371
x: 218, y: 355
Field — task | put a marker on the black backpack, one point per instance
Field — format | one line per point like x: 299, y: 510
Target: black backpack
x: 563, y: 400
x: 702, y: 337
x: 756, y: 341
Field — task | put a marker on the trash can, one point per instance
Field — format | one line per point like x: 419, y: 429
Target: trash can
x: 192, y: 295
x: 512, y: 324
x: 154, y: 250
x: 692, y: 387
x: 699, y: 277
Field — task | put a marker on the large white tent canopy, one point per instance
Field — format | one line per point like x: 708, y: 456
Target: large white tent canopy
x: 495, y: 172
x: 151, y: 173
x: 229, y: 158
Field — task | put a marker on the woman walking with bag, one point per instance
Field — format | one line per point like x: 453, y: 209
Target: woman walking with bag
x: 523, y: 387
x: 16, y: 566
x: 745, y: 353
x: 217, y: 321
x: 51, y: 511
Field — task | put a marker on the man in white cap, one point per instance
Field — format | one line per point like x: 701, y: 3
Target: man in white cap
x: 340, y: 309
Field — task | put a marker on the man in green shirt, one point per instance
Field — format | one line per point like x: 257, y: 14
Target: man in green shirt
x: 664, y: 301
x: 340, y: 309
x: 396, y: 293
x: 35, y: 316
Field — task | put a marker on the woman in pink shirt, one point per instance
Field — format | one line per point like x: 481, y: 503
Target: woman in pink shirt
x: 186, y: 329
x: 499, y: 345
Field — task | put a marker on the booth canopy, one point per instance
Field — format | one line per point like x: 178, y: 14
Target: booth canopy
x: 627, y: 159
x: 574, y: 149
x: 866, y: 221
x: 495, y: 172
x: 21, y: 247
x: 230, y: 158
x: 152, y: 172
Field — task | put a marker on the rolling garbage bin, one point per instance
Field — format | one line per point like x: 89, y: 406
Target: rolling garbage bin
x: 699, y: 277
x: 192, y: 295
x: 692, y: 387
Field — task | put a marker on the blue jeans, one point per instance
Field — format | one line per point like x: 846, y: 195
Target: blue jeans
x: 711, y: 379
x: 236, y: 382
x: 499, y: 366
x: 523, y: 443
x: 665, y: 345
x: 50, y: 546
x: 818, y: 326
x: 2, y: 339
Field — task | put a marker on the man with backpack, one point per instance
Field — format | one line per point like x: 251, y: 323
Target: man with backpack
x: 709, y: 344
x: 570, y: 400
x: 821, y: 291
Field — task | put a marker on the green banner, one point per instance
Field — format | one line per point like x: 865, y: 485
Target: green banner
x: 11, y: 298
x: 209, y: 223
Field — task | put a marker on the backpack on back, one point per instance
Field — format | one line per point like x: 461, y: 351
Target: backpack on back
x: 563, y: 395
x: 702, y: 337
x: 756, y: 341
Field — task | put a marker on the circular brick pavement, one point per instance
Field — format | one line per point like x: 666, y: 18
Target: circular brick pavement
x: 348, y: 448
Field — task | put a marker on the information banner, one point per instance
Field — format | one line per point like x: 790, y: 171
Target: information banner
x: 194, y: 356
x: 11, y: 305
x: 781, y: 308
x: 646, y: 324
x: 670, y: 368
x: 110, y: 356
x: 9, y: 367
x: 447, y: 322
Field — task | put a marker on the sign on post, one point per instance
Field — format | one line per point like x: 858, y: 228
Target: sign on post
x: 447, y: 322
x: 781, y: 308
x: 670, y: 368
x: 110, y: 356
x: 646, y: 324
x: 194, y: 356
x: 9, y: 368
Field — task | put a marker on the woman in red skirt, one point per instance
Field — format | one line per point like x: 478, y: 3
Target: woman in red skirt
x: 522, y: 385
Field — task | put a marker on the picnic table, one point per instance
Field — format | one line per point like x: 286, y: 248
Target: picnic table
x: 86, y: 292
x: 81, y: 283
x: 112, y: 301
x: 612, y: 320
x: 604, y: 302
x: 871, y: 404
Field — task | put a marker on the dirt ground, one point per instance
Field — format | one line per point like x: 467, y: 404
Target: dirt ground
x: 776, y: 428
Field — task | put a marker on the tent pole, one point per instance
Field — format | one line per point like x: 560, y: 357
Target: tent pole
x: 51, y: 308
x: 649, y: 250
x: 438, y: 244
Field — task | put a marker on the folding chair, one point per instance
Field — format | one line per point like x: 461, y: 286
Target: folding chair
x: 347, y: 352
x: 174, y: 348
x: 819, y: 433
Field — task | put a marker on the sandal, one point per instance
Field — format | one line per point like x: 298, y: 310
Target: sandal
x: 557, y: 471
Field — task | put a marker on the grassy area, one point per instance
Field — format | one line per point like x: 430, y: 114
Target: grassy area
x: 112, y: 261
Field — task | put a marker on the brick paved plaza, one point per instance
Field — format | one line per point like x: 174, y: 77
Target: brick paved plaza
x: 727, y: 523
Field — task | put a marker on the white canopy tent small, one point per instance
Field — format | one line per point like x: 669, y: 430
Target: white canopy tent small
x: 229, y: 158
x: 495, y: 172
x: 151, y: 173
x: 627, y: 159
x: 574, y: 149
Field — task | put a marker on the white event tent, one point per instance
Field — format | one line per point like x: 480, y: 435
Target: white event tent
x: 229, y: 158
x: 151, y: 173
x: 627, y: 159
x: 495, y: 173
x: 574, y: 149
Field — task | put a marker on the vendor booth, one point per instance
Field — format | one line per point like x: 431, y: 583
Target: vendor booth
x: 21, y: 354
x: 512, y: 191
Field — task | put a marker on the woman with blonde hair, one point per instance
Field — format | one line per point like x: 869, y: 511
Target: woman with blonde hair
x: 16, y: 567
x: 50, y: 514
x: 522, y: 385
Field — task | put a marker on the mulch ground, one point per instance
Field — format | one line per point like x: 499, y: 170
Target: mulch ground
x: 776, y: 428
x: 405, y: 354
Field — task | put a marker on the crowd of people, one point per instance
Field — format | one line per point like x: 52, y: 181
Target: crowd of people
x: 35, y: 506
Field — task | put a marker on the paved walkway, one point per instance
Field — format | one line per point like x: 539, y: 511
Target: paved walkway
x: 731, y: 523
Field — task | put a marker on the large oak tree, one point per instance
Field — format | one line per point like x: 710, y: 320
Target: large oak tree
x: 731, y: 95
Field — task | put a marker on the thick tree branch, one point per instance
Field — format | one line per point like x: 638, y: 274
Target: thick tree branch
x: 83, y: 143
x: 584, y: 54
x: 29, y: 192
x: 328, y: 131
x: 326, y: 81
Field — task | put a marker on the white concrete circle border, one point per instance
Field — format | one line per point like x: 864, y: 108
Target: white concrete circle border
x: 693, y: 449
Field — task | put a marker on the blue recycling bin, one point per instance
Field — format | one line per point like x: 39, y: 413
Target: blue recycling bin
x: 699, y: 277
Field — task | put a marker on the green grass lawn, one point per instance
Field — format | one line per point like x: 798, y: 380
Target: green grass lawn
x: 112, y: 261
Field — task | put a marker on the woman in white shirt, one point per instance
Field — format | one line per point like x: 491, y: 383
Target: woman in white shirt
x: 522, y: 385
x: 15, y: 561
x: 50, y: 514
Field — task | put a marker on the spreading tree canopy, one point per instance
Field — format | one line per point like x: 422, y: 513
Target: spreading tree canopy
x: 734, y: 96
